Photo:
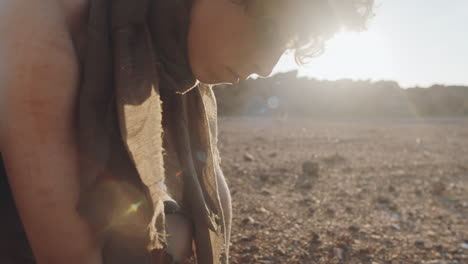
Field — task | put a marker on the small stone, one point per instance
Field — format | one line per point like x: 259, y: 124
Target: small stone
x: 418, y: 192
x: 464, y: 245
x: 383, y: 199
x: 314, y: 237
x: 248, y: 220
x: 264, y: 177
x: 338, y: 253
x: 249, y: 238
x: 391, y: 188
x: 310, y: 168
x: 419, y: 244
x: 388, y: 243
x: 251, y: 249
x: 305, y: 202
x: 396, y: 227
x: 280, y: 251
x: 330, y: 212
x: 248, y: 157
x: 438, y: 188
x: 347, y: 170
x: 334, y: 159
x: 305, y: 184
x: 273, y: 154
x: 259, y: 138
x: 311, y: 211
x: 395, y: 216
x: 393, y: 207
x: 353, y: 229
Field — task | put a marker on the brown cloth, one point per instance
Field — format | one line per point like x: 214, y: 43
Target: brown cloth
x: 136, y: 66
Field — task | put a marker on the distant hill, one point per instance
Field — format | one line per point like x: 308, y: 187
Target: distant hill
x: 286, y: 95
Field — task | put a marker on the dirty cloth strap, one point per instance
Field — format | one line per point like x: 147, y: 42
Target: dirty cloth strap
x: 136, y: 61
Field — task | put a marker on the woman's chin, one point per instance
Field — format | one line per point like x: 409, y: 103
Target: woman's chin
x: 213, y: 81
x: 220, y: 83
x: 215, y: 78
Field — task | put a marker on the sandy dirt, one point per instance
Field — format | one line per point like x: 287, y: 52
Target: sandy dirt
x: 347, y: 191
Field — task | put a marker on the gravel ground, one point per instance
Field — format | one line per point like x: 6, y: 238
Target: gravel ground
x: 347, y: 191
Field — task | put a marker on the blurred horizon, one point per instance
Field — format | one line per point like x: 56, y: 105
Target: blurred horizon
x: 285, y: 95
x: 415, y: 43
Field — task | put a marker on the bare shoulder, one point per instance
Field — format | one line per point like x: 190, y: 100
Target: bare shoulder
x: 38, y: 62
x: 34, y: 29
x: 36, y: 46
x: 29, y: 19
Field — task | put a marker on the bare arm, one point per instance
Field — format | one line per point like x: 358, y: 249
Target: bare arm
x: 38, y: 141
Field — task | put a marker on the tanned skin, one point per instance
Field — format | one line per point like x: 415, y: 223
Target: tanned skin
x: 42, y: 45
x: 39, y: 85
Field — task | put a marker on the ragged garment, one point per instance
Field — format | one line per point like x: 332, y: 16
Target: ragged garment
x: 136, y: 72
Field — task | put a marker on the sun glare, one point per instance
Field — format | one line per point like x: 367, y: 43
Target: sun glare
x: 364, y: 55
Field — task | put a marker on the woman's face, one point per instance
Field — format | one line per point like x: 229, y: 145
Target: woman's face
x: 223, y: 46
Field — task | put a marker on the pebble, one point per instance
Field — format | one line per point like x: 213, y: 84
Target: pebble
x: 330, y: 212
x: 280, y: 251
x: 310, y: 168
x: 251, y: 249
x: 438, y: 188
x: 314, y: 237
x: 383, y: 199
x: 249, y: 238
x: 248, y: 220
x: 338, y: 253
x: 248, y: 157
x: 396, y: 227
x: 353, y: 229
x: 396, y: 216
x: 419, y: 244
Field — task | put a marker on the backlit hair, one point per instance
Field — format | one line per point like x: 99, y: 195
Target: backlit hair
x: 305, y: 25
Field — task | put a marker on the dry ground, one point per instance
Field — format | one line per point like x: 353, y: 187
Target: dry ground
x: 374, y: 191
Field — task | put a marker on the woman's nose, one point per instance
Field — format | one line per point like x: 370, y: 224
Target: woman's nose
x: 263, y: 71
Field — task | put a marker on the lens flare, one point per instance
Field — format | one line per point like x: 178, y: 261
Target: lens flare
x: 133, y: 208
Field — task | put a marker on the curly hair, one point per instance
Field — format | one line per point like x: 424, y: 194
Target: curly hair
x: 304, y: 26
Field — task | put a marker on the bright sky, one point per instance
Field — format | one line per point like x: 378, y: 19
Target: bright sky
x: 414, y: 42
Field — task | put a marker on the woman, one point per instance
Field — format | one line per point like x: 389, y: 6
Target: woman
x: 83, y: 132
